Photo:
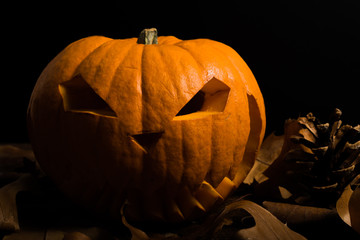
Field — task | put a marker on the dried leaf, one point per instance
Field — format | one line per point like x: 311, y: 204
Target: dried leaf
x: 38, y: 234
x: 225, y: 225
x: 11, y: 152
x: 293, y: 214
x: 15, y: 161
x: 354, y: 209
x: 267, y: 226
x: 54, y: 235
x: 76, y: 236
x: 348, y: 206
x: 8, y: 209
x: 71, y: 232
x: 96, y: 233
x: 269, y: 151
x: 275, y: 171
x: 281, y: 167
x: 136, y: 233
x: 26, y: 235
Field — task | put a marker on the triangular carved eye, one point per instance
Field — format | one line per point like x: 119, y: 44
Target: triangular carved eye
x: 209, y: 100
x: 78, y: 96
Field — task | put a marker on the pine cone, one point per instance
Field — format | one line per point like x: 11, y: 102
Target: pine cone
x: 317, y: 160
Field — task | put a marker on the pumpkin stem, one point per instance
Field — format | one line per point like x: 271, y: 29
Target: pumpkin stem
x: 148, y: 36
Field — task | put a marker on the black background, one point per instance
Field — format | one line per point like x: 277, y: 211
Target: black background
x: 304, y: 54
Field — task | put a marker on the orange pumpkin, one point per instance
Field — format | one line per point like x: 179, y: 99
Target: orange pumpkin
x: 167, y: 126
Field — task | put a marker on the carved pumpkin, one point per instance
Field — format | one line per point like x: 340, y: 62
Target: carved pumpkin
x: 169, y: 127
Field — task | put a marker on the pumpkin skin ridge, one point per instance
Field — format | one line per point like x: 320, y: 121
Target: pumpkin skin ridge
x: 119, y: 65
x: 213, y: 167
x: 179, y: 92
x: 186, y: 162
x: 252, y: 89
x: 208, y: 174
x: 93, y: 50
x: 112, y: 42
x: 51, y: 63
x: 146, y: 110
x: 166, y: 128
x: 179, y: 44
x: 50, y: 66
x: 211, y: 43
x: 238, y: 62
x: 241, y: 163
x: 168, y: 40
x: 91, y: 80
x: 117, y: 70
x: 253, y: 92
x: 169, y: 62
x: 123, y: 64
x: 101, y: 120
x: 188, y: 52
x: 170, y: 179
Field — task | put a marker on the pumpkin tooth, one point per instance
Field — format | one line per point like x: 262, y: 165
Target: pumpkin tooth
x: 207, y: 195
x: 190, y: 206
x: 173, y: 211
x: 226, y: 187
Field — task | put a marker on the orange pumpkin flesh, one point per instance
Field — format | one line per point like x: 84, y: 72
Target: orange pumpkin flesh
x: 169, y: 128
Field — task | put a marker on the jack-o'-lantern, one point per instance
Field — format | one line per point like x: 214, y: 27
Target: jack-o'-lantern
x: 167, y: 126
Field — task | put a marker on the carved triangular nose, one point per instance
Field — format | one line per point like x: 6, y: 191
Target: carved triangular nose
x: 146, y: 140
